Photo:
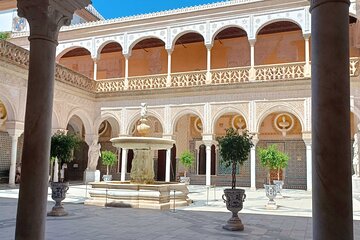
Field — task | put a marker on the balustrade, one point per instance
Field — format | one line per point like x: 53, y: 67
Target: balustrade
x: 286, y: 71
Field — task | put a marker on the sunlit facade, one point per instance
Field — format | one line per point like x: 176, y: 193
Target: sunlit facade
x: 243, y: 64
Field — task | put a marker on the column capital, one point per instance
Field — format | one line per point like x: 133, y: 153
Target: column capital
x: 15, y: 129
x: 252, y: 41
x: 316, y: 3
x: 89, y: 138
x: 209, y: 46
x: 307, y: 36
x: 46, y: 17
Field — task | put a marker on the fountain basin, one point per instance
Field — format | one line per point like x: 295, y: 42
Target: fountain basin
x: 143, y: 143
x: 159, y: 195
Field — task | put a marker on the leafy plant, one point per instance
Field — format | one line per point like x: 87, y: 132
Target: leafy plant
x: 62, y: 147
x: 186, y: 159
x: 234, y: 149
x: 272, y: 158
x: 108, y: 158
x: 4, y: 35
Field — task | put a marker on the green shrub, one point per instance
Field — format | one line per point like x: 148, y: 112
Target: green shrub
x: 187, y: 160
x: 108, y: 158
x: 272, y: 158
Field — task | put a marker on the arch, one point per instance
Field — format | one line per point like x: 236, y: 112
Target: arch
x: 66, y: 50
x: 182, y: 113
x: 138, y: 40
x: 221, y: 28
x: 280, y: 19
x: 228, y: 109
x: 277, y: 108
x: 55, y: 120
x: 136, y: 116
x: 10, y: 108
x: 112, y: 119
x: 180, y: 34
x: 85, y: 118
x: 103, y: 44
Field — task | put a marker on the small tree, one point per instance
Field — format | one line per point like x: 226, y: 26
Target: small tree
x: 62, y: 147
x: 186, y: 159
x: 4, y: 35
x: 273, y: 159
x: 108, y: 158
x: 234, y: 149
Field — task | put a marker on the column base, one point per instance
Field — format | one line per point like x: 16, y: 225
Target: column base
x: 91, y: 176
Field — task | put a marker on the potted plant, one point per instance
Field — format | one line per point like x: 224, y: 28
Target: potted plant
x: 234, y: 150
x: 272, y: 159
x: 187, y: 160
x: 62, y: 149
x: 108, y: 158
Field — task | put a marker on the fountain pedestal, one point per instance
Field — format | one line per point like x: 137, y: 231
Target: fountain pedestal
x: 142, y: 170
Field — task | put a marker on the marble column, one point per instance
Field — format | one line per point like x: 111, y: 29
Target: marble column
x: 14, y: 143
x: 208, y: 63
x: 253, y: 164
x: 332, y: 193
x: 123, y: 164
x: 308, y: 164
x: 127, y: 71
x: 168, y: 80
x: 95, y: 68
x: 167, y: 167
x: 252, y: 72
x: 45, y: 18
x: 208, y: 165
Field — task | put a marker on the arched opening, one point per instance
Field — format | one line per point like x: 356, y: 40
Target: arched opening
x: 279, y: 42
x: 111, y: 63
x: 79, y: 60
x: 189, y: 53
x: 236, y: 121
x: 230, y: 49
x: 173, y: 164
x: 202, y: 160
x: 284, y: 130
x: 148, y: 57
x: 188, y: 133
x: 75, y: 169
x: 106, y: 132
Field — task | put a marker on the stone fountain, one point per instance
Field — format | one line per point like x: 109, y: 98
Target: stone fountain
x: 142, y: 191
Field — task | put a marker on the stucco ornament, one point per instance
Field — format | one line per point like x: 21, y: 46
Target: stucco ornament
x: 3, y: 114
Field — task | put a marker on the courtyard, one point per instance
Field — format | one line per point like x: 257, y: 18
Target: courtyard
x: 203, y: 219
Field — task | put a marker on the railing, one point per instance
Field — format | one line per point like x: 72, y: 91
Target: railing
x: 283, y: 71
x: 289, y: 71
x: 230, y: 75
x: 188, y: 79
x: 110, y: 85
x: 147, y: 82
x: 20, y: 57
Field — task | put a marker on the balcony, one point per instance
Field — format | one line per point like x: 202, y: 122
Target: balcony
x: 18, y: 56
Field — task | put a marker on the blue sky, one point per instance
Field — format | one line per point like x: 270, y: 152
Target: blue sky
x: 120, y: 8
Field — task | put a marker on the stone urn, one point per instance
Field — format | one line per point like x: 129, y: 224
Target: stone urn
x: 234, y: 199
x: 58, y: 194
x: 279, y: 186
x: 107, y: 178
x: 271, y: 190
x: 185, y: 180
